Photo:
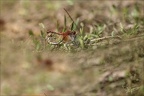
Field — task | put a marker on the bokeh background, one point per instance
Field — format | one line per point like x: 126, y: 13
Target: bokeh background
x: 113, y: 68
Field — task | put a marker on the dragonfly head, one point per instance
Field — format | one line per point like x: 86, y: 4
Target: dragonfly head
x: 72, y: 35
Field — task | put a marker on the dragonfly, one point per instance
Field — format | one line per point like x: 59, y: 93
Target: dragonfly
x: 56, y: 38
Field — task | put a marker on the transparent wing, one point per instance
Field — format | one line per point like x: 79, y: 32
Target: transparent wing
x: 53, y: 38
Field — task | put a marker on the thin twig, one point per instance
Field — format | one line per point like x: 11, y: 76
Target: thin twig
x: 103, y: 38
x: 70, y: 16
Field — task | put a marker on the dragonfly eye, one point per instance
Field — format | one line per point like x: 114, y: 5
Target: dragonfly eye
x: 72, y: 35
x: 74, y: 32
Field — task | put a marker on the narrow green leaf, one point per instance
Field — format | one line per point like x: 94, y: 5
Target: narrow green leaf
x: 31, y: 33
x: 82, y: 25
x: 64, y: 29
x: 36, y: 43
x: 136, y: 26
x: 72, y: 26
x: 112, y: 33
x: 37, y: 46
x: 57, y: 25
x: 75, y: 24
x: 81, y: 31
x: 81, y: 42
x: 85, y: 37
x: 65, y: 21
x: 121, y: 27
x: 42, y: 34
x: 77, y: 21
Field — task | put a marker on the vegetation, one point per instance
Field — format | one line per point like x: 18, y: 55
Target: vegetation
x: 105, y: 58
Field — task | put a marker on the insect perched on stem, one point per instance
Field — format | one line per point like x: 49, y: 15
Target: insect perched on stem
x: 56, y: 38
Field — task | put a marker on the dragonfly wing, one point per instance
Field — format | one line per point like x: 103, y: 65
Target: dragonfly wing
x: 53, y: 38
